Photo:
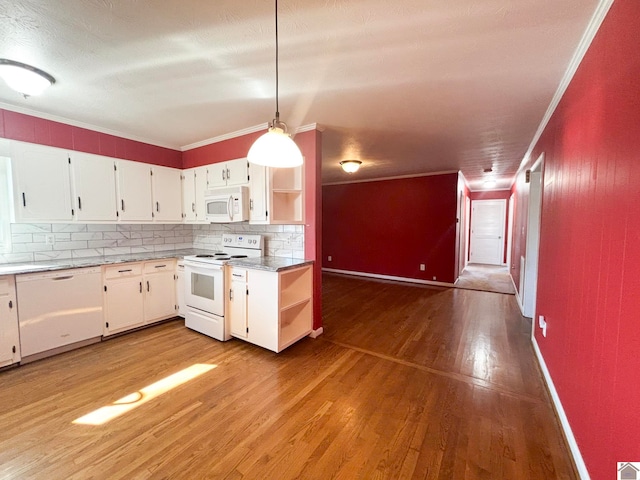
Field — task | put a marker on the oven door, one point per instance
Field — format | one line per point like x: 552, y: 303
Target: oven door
x: 204, y: 287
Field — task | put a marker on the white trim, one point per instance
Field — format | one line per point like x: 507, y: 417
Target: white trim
x: 446, y: 172
x: 88, y: 126
x: 317, y: 332
x: 492, y: 190
x: 518, y: 299
x: 388, y: 277
x: 564, y: 421
x: 240, y: 133
x: 585, y: 42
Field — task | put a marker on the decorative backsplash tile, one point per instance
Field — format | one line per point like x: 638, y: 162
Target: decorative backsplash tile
x: 43, y: 242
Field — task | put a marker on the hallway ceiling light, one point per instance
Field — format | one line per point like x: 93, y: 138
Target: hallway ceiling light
x: 24, y: 78
x: 350, y: 166
x: 489, y: 183
x: 275, y: 148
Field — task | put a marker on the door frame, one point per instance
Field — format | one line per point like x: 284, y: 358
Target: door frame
x: 532, y: 247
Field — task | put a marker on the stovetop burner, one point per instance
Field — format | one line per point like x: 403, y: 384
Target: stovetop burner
x: 239, y: 256
x: 204, y: 255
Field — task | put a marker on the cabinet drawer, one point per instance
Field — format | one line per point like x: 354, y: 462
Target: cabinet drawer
x: 5, y: 284
x: 123, y: 270
x: 159, y: 265
x: 238, y: 275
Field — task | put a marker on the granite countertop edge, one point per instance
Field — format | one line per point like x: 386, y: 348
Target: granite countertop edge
x: 274, y: 264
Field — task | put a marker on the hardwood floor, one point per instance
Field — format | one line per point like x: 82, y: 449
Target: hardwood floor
x: 406, y: 382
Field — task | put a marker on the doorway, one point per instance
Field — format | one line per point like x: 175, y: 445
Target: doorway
x: 530, y: 275
x: 487, y: 231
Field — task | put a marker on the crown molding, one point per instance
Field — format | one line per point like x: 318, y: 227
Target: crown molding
x: 88, y: 126
x: 399, y: 177
x: 585, y: 42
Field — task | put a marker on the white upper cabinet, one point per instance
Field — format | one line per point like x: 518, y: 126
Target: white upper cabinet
x: 257, y: 193
x: 194, y: 184
x: 167, y: 194
x: 41, y: 183
x: 94, y: 187
x: 233, y: 172
x: 134, y: 191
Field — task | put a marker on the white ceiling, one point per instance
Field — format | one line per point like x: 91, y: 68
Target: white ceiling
x: 406, y: 86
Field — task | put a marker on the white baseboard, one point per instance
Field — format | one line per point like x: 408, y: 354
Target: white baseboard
x: 317, y: 332
x: 518, y: 299
x: 388, y: 277
x: 564, y: 421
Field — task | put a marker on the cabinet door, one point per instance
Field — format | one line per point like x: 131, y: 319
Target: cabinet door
x: 263, y: 309
x: 123, y: 302
x: 42, y: 185
x: 167, y: 194
x: 238, y: 172
x: 9, y: 336
x: 217, y: 174
x: 238, y: 307
x: 94, y: 182
x: 189, y: 195
x: 182, y: 306
x: 258, y: 206
x: 201, y: 186
x: 134, y: 191
x: 159, y: 296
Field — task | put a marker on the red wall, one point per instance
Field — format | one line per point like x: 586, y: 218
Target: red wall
x: 494, y: 195
x: 589, y: 280
x: 310, y: 144
x: 390, y: 227
x: 18, y: 126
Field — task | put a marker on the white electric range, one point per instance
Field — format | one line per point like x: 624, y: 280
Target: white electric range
x: 205, y: 278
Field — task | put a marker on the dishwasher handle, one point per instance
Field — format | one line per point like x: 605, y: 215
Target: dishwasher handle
x: 66, y: 277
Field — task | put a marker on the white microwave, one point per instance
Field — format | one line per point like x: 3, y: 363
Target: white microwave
x: 227, y: 204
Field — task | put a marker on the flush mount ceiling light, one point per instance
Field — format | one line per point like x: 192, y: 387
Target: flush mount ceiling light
x: 350, y: 166
x: 24, y: 78
x: 489, y: 183
x: 275, y: 148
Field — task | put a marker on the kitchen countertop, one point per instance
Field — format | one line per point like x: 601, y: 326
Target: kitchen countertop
x: 273, y: 264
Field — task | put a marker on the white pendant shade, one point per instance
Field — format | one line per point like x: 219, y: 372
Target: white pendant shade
x: 275, y: 148
x: 24, y: 79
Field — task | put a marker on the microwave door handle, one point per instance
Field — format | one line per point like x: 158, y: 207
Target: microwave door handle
x: 230, y: 207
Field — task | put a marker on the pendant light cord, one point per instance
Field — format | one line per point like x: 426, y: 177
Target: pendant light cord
x: 277, y: 105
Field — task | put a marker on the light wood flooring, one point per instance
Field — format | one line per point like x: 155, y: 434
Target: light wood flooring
x: 407, y: 382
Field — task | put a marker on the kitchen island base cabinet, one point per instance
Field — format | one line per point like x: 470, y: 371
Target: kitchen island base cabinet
x: 279, y: 307
x: 9, y: 336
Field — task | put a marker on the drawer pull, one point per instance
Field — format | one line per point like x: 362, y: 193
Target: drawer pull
x: 127, y: 270
x: 63, y: 278
x: 159, y: 266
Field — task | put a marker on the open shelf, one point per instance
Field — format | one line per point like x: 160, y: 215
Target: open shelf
x: 295, y: 323
x: 295, y: 286
x: 287, y: 206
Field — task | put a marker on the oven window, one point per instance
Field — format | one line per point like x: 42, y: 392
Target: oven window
x: 203, y: 285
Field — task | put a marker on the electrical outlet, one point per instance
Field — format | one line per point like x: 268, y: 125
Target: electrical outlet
x: 49, y: 239
x: 287, y: 240
x: 542, y: 323
x: 329, y: 258
x: 434, y: 278
x: 422, y: 267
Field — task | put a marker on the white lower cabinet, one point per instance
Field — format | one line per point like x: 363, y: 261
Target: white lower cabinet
x: 9, y: 336
x: 279, y: 307
x: 180, y: 300
x: 238, y: 302
x: 138, y: 293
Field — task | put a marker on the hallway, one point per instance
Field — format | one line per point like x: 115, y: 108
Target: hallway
x: 487, y: 278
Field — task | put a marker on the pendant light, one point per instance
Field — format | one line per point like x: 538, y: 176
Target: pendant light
x: 275, y: 148
x: 24, y: 78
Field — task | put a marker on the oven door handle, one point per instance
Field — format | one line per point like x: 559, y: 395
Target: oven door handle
x: 200, y: 267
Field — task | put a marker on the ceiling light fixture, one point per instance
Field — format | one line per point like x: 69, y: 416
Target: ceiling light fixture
x: 489, y: 183
x: 350, y: 166
x: 275, y: 148
x: 24, y: 78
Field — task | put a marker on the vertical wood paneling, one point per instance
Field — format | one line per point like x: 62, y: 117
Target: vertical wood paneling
x: 589, y: 286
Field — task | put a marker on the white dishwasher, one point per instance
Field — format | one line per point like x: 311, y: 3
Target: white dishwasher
x: 59, y: 308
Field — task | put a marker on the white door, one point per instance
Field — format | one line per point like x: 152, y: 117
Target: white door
x: 159, y: 296
x: 487, y: 231
x: 217, y: 174
x: 238, y: 303
x: 134, y: 188
x: 257, y: 193
x: 529, y: 288
x: 42, y: 184
x: 167, y: 194
x: 189, y: 195
x: 201, y: 187
x: 9, y: 336
x: 123, y: 302
x: 94, y: 181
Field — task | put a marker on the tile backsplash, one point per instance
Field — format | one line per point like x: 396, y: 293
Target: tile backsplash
x: 58, y: 241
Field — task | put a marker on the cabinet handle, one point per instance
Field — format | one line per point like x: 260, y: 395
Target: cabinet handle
x: 24, y: 200
x: 159, y: 266
x: 230, y: 294
x: 223, y: 174
x: 140, y: 287
x: 68, y: 277
x: 236, y: 275
x: 193, y: 207
x: 122, y: 203
x: 251, y: 204
x: 126, y: 270
x: 228, y: 174
x: 147, y: 285
x: 10, y: 304
x: 157, y: 206
x: 79, y: 203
